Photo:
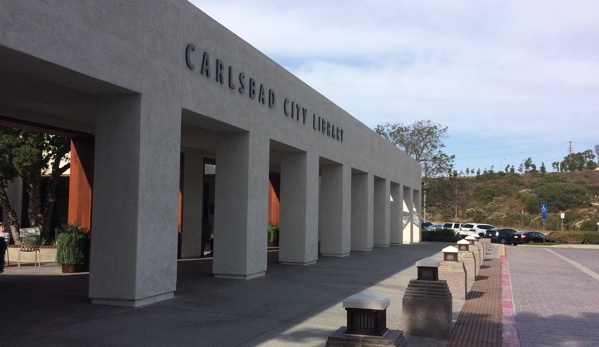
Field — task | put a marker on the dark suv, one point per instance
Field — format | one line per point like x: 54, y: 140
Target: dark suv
x: 501, y: 235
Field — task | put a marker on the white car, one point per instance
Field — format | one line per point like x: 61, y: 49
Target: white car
x: 469, y: 229
x: 453, y: 226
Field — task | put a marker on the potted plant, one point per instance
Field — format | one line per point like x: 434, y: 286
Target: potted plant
x: 71, y: 248
x: 273, y: 235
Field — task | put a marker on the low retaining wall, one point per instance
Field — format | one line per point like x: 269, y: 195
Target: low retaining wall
x: 48, y: 255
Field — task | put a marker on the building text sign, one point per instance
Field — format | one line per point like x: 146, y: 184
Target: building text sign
x: 245, y: 85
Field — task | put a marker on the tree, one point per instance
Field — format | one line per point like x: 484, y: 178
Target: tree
x: 579, y: 161
x: 521, y: 168
x: 543, y: 169
x: 597, y: 152
x: 507, y: 168
x: 528, y: 164
x: 30, y: 155
x: 446, y: 193
x: 423, y: 142
x: 7, y: 174
x: 556, y: 166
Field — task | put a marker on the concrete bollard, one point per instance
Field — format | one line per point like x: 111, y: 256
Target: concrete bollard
x: 486, y: 242
x: 366, y: 323
x: 466, y: 256
x: 427, y: 303
x: 481, y: 248
x: 453, y: 271
x: 474, y: 250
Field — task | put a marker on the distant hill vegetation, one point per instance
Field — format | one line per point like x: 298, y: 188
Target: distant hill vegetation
x: 514, y: 200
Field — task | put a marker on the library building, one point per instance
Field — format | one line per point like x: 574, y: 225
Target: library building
x: 187, y: 142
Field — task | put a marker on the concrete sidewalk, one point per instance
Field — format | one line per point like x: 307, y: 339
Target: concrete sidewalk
x: 290, y: 306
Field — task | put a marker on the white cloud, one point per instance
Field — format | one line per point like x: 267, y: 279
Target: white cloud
x: 490, y: 68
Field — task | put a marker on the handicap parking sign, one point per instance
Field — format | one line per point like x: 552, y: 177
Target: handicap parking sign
x: 544, y: 210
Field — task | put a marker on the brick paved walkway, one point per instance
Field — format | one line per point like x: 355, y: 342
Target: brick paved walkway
x: 479, y: 323
x: 556, y: 298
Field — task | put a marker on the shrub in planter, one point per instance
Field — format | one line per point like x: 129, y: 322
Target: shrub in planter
x: 443, y: 235
x: 273, y: 234
x: 71, y: 247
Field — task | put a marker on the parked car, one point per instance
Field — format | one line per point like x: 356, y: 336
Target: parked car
x: 529, y: 236
x: 503, y: 235
x: 434, y: 227
x: 453, y: 226
x: 469, y: 229
x: 424, y: 225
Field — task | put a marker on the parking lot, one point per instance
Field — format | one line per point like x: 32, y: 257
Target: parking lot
x: 556, y: 295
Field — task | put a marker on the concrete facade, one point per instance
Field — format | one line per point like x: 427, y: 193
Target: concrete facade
x: 151, y: 80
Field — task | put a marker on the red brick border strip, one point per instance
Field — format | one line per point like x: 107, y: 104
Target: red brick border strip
x: 479, y: 323
x: 508, y: 318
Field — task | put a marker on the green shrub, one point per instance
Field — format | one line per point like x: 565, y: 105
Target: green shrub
x: 567, y: 237
x: 591, y: 237
x: 273, y: 232
x: 71, y: 245
x: 484, y: 194
x: 562, y: 196
x: 443, y: 235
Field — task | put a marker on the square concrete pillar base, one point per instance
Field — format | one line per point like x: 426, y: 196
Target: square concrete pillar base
x: 361, y: 249
x: 343, y: 255
x: 391, y: 338
x: 427, y: 309
x: 381, y: 245
x: 455, y: 274
x: 300, y: 264
x: 240, y: 277
x: 134, y: 303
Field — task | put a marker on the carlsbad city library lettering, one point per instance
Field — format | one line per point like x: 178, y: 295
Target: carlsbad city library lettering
x: 291, y: 109
x: 187, y: 142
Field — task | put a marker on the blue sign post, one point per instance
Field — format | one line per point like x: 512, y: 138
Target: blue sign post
x: 544, y: 213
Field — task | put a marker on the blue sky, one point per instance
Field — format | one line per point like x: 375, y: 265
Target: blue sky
x: 510, y: 79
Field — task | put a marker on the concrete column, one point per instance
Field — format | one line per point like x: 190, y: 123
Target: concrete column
x: 334, y: 210
x: 407, y: 215
x: 362, y: 211
x: 298, y: 232
x: 381, y: 212
x: 193, y: 186
x: 135, y: 206
x: 395, y: 209
x: 241, y: 206
x: 416, y: 213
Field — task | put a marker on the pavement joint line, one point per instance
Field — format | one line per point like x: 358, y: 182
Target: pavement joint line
x: 577, y: 265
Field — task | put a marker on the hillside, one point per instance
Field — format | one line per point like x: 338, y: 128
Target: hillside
x: 514, y: 200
